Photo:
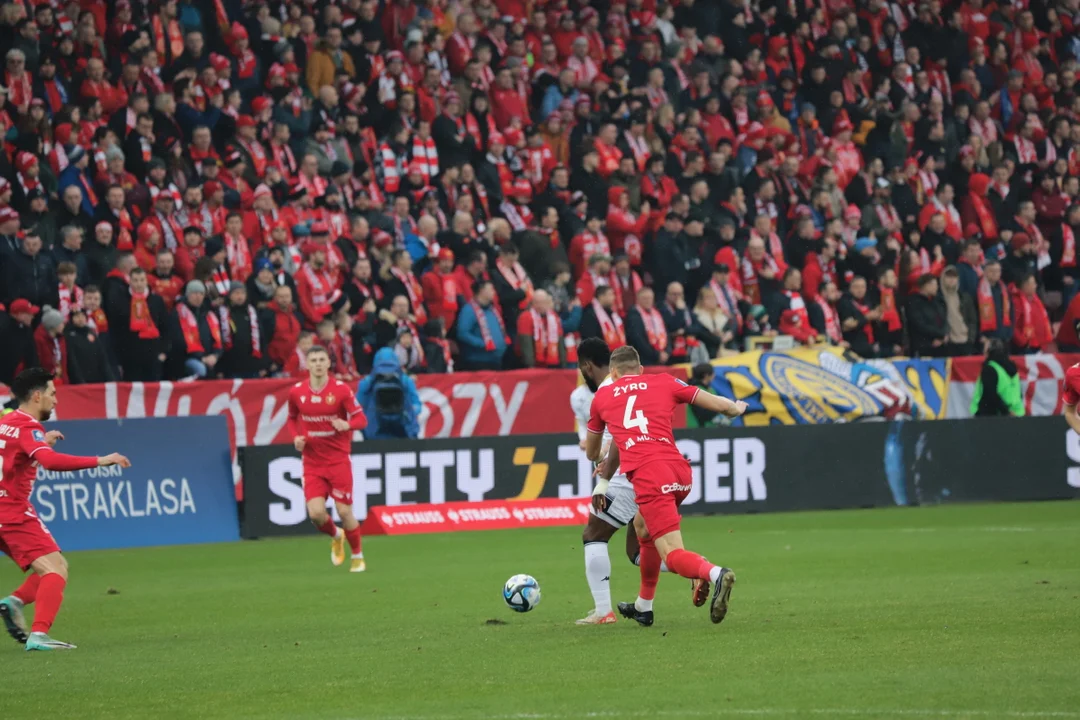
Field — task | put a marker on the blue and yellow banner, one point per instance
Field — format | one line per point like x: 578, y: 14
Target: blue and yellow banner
x: 814, y: 386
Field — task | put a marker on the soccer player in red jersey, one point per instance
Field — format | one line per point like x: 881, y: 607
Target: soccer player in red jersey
x: 24, y: 445
x: 322, y: 416
x: 1070, y: 396
x: 636, y: 409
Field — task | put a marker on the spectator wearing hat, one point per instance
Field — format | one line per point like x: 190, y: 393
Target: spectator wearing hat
x: 327, y: 148
x: 195, y: 333
x: 261, y: 285
x: 38, y: 216
x: 75, y: 175
x: 1021, y: 260
x: 17, y: 339
x: 243, y: 336
x: 30, y: 273
x: 441, y: 289
x: 87, y: 360
x: 137, y: 322
x: 928, y: 319
x: 316, y: 291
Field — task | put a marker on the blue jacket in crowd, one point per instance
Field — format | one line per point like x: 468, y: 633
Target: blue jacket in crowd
x: 471, y: 340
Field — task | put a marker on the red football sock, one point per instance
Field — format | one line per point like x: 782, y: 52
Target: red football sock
x: 50, y: 596
x: 353, y: 536
x: 27, y: 592
x: 689, y: 564
x: 650, y: 570
x: 328, y: 527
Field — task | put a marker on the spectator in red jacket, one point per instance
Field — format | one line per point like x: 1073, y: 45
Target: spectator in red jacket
x: 286, y: 333
x: 792, y: 316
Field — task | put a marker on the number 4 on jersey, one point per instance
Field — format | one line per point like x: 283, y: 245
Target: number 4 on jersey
x: 634, y: 420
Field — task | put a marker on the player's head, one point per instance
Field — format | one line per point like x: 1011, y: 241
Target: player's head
x: 625, y: 361
x: 33, y: 389
x: 318, y: 362
x: 592, y: 360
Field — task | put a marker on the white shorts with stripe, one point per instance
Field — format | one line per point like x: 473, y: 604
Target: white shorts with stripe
x: 622, y: 506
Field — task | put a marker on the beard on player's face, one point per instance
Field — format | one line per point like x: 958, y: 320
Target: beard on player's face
x: 589, y: 382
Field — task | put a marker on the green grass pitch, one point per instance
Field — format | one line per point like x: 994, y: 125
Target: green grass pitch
x: 944, y: 612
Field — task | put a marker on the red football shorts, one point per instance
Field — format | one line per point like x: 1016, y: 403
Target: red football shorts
x: 659, y: 488
x: 26, y: 542
x: 333, y: 481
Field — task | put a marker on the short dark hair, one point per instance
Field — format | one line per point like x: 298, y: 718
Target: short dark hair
x: 604, y: 290
x: 29, y: 382
x: 702, y: 371
x: 317, y: 349
x: 925, y: 279
x: 594, y: 350
x: 480, y: 285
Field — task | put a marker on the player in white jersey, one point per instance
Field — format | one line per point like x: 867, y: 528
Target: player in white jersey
x: 613, y: 504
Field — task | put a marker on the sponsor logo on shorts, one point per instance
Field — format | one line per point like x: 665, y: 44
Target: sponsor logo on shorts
x: 674, y: 488
x: 338, y: 494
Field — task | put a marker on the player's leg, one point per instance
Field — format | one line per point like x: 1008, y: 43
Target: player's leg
x: 352, y: 535
x: 649, y: 563
x: 663, y: 518
x: 11, y: 607
x: 633, y: 548
x: 316, y: 490
x: 53, y: 570
x: 598, y: 531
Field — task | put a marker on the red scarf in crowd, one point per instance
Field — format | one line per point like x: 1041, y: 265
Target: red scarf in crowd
x: 141, y: 323
x: 546, y: 332
x: 227, y: 330
x: 485, y: 331
x: 654, y: 327
x: 238, y: 253
x: 1068, y: 246
x: 621, y: 285
x: 832, y: 320
x: 518, y: 280
x: 728, y: 302
x: 987, y: 311
x: 611, y: 326
x: 1035, y: 322
x: 415, y: 292
x: 70, y: 298
x: 189, y: 326
x: 890, y: 315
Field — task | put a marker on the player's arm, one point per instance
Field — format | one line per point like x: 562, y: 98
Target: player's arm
x: 604, y: 471
x: 355, y: 419
x: 49, y: 459
x: 1072, y: 418
x: 595, y: 440
x: 298, y: 436
x: 718, y: 404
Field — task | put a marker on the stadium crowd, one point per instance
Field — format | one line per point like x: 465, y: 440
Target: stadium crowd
x: 206, y: 188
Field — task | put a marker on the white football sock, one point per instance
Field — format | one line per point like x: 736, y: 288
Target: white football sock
x: 598, y: 574
x: 663, y: 565
x: 642, y: 604
x: 714, y: 574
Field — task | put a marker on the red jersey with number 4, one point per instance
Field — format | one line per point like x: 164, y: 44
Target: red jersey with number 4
x: 21, y: 436
x: 1071, y: 390
x: 637, y: 410
x: 311, y: 414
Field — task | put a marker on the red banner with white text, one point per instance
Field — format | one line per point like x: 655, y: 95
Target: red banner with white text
x: 458, y: 405
x: 484, y: 515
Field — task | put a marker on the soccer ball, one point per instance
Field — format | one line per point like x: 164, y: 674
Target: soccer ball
x: 521, y: 593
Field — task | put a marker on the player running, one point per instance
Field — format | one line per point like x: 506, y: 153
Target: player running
x: 24, y: 445
x: 613, y: 504
x: 322, y: 416
x: 637, y: 409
